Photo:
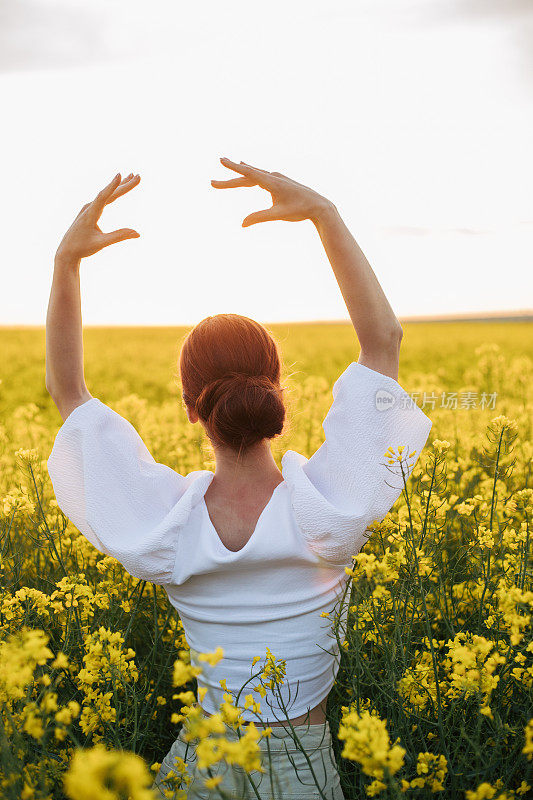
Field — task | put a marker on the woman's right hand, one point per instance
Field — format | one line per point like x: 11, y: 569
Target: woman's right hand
x: 291, y: 201
x: 84, y: 237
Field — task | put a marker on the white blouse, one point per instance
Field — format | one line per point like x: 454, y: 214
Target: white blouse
x: 272, y: 591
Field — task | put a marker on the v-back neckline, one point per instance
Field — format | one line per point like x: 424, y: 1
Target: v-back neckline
x: 253, y: 533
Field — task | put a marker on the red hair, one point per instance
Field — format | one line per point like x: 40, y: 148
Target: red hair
x: 230, y: 370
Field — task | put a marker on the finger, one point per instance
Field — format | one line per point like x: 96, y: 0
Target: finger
x: 234, y: 183
x: 266, y: 171
x: 281, y: 175
x: 99, y: 202
x: 119, y: 236
x: 82, y: 209
x: 261, y: 177
x: 126, y: 179
x: 125, y: 187
x: 110, y: 188
x: 266, y: 215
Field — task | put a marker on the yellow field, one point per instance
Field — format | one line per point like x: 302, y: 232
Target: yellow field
x: 435, y: 691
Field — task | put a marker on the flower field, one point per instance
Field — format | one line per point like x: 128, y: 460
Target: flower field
x: 434, y: 694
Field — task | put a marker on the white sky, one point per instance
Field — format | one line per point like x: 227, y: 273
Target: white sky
x: 414, y: 117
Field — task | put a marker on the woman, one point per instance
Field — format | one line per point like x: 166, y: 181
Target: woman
x: 250, y: 556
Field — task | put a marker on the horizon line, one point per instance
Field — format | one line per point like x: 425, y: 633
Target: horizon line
x: 523, y: 314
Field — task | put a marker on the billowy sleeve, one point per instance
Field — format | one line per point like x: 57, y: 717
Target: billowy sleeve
x: 108, y: 484
x: 347, y: 484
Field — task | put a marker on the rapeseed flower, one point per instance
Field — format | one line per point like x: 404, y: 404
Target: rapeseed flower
x: 274, y: 670
x: 20, y: 654
x: 212, y: 658
x: 367, y: 742
x: 107, y: 775
x: 452, y: 556
x: 431, y: 770
x: 528, y: 746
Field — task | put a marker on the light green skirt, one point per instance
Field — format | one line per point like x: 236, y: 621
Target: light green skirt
x: 293, y: 774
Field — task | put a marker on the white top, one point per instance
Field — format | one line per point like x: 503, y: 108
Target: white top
x: 272, y: 592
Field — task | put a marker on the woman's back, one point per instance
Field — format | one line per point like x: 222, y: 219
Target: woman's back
x: 270, y: 593
x: 235, y: 515
x: 273, y: 585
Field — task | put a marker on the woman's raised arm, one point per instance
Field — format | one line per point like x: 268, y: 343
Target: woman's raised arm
x: 377, y: 328
x: 65, y: 379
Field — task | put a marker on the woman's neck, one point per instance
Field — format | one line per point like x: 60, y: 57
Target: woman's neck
x: 254, y: 467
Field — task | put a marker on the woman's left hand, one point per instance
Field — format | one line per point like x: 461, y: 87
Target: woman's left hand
x: 84, y: 237
x: 291, y: 201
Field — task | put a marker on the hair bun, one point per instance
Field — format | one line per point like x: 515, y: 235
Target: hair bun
x: 239, y: 409
x: 230, y: 368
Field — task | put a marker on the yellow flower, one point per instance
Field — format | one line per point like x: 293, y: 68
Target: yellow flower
x: 528, y: 746
x: 375, y: 788
x: 274, y: 670
x: 366, y: 741
x: 483, y: 792
x: 250, y: 702
x: 230, y: 714
x: 20, y: 654
x: 246, y: 751
x: 17, y: 500
x: 183, y: 673
x: 27, y: 793
x: 60, y: 661
x: 49, y: 702
x: 108, y: 775
x: 441, y: 445
x: 212, y: 658
x: 503, y: 423
x: 432, y: 770
x: 185, y: 697
x: 211, y: 783
x: 399, y: 455
x: 485, y: 537
x: 33, y: 724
